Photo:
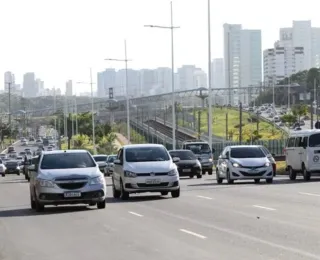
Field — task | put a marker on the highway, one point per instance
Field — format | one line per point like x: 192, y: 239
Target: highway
x: 209, y: 221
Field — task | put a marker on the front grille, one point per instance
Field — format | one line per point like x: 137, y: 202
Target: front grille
x: 256, y: 174
x: 251, y: 167
x: 71, y: 186
x: 154, y: 174
x: 144, y: 185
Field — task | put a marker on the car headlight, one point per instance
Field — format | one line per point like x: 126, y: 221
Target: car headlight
x: 173, y: 172
x: 236, y: 165
x: 267, y: 164
x: 209, y: 160
x: 130, y: 174
x: 96, y: 180
x: 45, y: 183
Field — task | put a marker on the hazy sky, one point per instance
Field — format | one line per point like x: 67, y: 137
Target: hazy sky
x: 61, y: 39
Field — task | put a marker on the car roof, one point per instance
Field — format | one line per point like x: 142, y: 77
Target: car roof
x: 179, y: 150
x: 245, y: 146
x: 142, y: 145
x: 64, y: 151
x: 99, y: 155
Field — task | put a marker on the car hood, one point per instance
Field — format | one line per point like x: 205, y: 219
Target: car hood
x: 146, y: 167
x: 101, y: 163
x: 77, y: 172
x: 250, y: 162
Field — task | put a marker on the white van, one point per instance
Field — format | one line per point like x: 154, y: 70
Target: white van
x: 303, y: 153
x: 145, y: 168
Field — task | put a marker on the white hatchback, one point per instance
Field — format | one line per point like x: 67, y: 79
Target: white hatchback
x: 145, y: 168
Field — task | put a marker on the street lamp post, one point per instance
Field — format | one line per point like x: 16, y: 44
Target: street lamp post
x: 171, y: 27
x: 125, y: 60
x: 92, y: 111
x: 209, y: 77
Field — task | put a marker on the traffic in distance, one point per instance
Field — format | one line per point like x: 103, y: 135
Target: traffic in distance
x: 59, y: 177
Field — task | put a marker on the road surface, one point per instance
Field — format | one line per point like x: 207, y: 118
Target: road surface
x: 208, y: 222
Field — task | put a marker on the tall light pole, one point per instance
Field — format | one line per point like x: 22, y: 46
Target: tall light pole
x: 209, y: 77
x: 92, y: 111
x: 171, y: 27
x: 9, y: 113
x: 125, y: 60
x: 54, y: 109
x: 76, y: 112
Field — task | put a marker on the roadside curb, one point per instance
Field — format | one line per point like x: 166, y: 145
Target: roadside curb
x: 5, y: 150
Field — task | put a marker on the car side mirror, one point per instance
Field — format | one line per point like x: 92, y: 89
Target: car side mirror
x: 213, y: 150
x: 225, y: 157
x: 32, y: 168
x: 175, y: 159
x: 118, y: 162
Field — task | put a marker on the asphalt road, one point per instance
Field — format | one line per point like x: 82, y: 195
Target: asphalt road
x: 209, y: 221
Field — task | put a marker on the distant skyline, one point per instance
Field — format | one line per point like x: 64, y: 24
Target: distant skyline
x: 59, y: 40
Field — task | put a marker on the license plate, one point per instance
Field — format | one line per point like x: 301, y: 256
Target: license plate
x: 153, y: 181
x: 73, y: 194
x: 186, y: 170
x: 253, y: 171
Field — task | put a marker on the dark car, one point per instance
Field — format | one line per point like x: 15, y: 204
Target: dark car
x: 188, y: 164
x: 13, y: 167
x: 27, y: 162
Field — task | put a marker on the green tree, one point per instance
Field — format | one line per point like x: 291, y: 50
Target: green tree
x: 289, y: 119
x: 300, y: 110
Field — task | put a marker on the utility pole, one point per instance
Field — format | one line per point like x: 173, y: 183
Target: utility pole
x: 227, y: 130
x: 240, y: 126
x: 9, y: 108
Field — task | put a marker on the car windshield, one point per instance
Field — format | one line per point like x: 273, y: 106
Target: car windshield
x: 112, y: 158
x: 183, y: 155
x: 67, y: 161
x: 198, y: 148
x: 314, y: 140
x: 146, y: 154
x: 246, y: 152
x: 12, y: 163
x: 99, y: 158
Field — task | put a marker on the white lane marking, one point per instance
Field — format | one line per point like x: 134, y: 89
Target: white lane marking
x: 193, y: 234
x: 309, y: 194
x: 204, y: 197
x: 262, y: 207
x: 135, y: 214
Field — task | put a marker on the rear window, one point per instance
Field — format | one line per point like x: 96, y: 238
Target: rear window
x: 67, y: 161
x: 112, y: 158
x: 183, y: 155
x: 100, y: 158
x: 314, y: 140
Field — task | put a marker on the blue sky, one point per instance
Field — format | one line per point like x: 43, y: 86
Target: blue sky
x: 61, y: 39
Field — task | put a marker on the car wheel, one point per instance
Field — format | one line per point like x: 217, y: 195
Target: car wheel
x: 203, y: 172
x: 164, y: 193
x: 219, y: 180
x: 191, y: 176
x: 257, y: 180
x: 199, y: 176
x: 306, y: 174
x: 101, y: 204
x: 292, y: 173
x: 175, y: 193
x: 124, y: 195
x: 116, y: 193
x: 230, y: 181
x: 269, y: 180
x: 3, y: 174
x: 210, y: 172
x: 38, y: 206
x: 18, y: 173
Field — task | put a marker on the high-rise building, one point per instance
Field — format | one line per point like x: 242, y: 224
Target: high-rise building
x: 242, y: 60
x: 186, y: 77
x: 200, y: 79
x: 164, y: 80
x: 147, y: 82
x: 106, y: 80
x: 281, y: 62
x: 218, y: 73
x: 40, y: 88
x: 302, y: 34
x: 133, y: 82
x: 69, y: 90
x: 9, y: 80
x: 29, y: 85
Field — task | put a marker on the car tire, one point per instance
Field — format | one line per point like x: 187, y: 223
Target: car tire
x: 219, y: 180
x: 164, y: 193
x: 230, y: 181
x: 292, y: 174
x: 270, y: 180
x: 306, y: 174
x: 18, y: 173
x: 175, y: 193
x: 38, y: 206
x: 199, y: 176
x: 191, y: 176
x: 32, y: 203
x: 210, y: 172
x: 101, y: 204
x: 116, y: 194
x: 124, y: 195
x: 203, y: 172
x: 3, y: 174
x: 257, y: 181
